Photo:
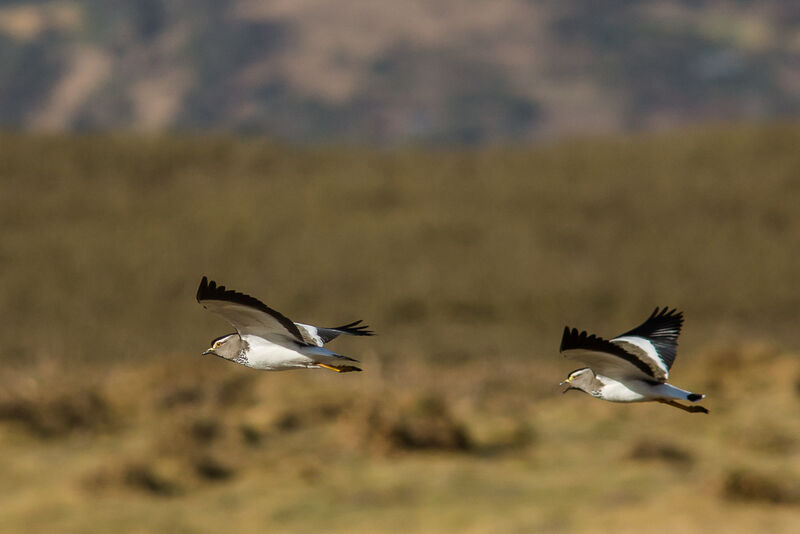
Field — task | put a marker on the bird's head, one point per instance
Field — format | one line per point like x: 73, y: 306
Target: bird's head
x: 227, y: 346
x: 579, y: 379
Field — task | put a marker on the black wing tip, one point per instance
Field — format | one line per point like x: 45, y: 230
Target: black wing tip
x: 564, y: 337
x: 574, y: 338
x: 663, y: 323
x: 666, y: 312
x: 694, y: 397
x: 202, y: 288
x: 209, y: 289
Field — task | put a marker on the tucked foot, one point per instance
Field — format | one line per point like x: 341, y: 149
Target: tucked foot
x: 339, y: 368
x: 690, y: 409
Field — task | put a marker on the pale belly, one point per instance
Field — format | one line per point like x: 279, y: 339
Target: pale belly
x: 638, y: 391
x: 618, y: 392
x: 272, y: 357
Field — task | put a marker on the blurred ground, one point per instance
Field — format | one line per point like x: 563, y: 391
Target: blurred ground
x: 468, y: 264
x: 176, y: 447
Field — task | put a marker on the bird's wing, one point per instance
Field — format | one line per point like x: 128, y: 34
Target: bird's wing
x: 247, y: 314
x: 655, y: 341
x: 603, y: 357
x: 316, y: 335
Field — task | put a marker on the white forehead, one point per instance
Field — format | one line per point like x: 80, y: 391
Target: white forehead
x: 222, y: 339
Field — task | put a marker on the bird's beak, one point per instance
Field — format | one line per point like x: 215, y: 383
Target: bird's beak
x: 565, y: 383
x: 209, y: 351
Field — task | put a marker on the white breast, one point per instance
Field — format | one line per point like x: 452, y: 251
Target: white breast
x: 630, y: 391
x: 263, y: 354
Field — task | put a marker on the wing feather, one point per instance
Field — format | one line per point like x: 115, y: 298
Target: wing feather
x: 604, y: 357
x: 310, y: 334
x: 657, y: 337
x: 247, y: 314
x: 317, y: 335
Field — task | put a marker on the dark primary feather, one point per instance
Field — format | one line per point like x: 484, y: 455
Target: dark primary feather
x: 662, y: 328
x: 354, y: 329
x: 575, y: 340
x: 209, y: 290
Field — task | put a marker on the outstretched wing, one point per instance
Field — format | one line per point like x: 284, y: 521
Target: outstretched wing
x: 314, y: 335
x: 247, y: 314
x: 655, y: 340
x: 603, y: 357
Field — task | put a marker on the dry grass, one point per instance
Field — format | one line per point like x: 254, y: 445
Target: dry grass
x: 467, y: 264
x: 386, y: 454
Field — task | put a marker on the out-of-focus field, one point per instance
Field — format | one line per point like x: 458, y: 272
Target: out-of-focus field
x: 467, y: 264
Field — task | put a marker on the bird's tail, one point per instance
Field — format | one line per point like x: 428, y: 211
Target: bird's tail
x: 671, y: 394
x: 321, y: 354
x: 668, y: 391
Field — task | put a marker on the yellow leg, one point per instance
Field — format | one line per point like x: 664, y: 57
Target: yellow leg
x: 340, y: 368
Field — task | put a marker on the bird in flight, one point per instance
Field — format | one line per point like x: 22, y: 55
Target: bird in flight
x: 632, y: 367
x: 266, y: 339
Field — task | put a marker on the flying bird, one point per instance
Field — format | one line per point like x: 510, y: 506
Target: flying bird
x: 632, y: 367
x: 266, y: 339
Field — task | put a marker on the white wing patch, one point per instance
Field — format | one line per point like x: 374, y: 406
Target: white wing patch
x: 310, y: 334
x: 644, y: 350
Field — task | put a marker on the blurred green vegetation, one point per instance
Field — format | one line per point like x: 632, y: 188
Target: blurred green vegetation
x: 447, y: 254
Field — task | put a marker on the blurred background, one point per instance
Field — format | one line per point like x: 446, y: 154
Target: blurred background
x: 467, y: 177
